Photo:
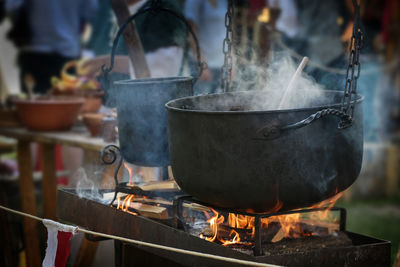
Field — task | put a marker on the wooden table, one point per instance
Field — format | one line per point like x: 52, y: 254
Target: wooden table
x: 78, y: 137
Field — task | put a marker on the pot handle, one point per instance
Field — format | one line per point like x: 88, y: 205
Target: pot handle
x: 154, y: 8
x: 274, y: 131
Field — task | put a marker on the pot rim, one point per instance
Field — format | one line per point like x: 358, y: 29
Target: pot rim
x: 154, y: 80
x: 359, y: 99
x: 49, y: 101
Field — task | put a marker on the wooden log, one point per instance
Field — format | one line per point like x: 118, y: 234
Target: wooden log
x: 279, y: 236
x: 193, y: 206
x: 159, y: 185
x: 132, y: 41
x: 309, y: 226
x: 110, y: 195
x: 154, y: 201
x: 150, y: 211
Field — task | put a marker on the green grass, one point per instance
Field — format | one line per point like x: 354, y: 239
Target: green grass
x: 378, y: 218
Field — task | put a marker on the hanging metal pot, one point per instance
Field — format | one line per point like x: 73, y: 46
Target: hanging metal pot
x: 262, y: 160
x: 228, y: 153
x: 142, y: 118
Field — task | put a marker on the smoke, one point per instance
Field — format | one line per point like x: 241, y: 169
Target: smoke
x: 86, y: 187
x: 270, y: 82
x: 277, y: 76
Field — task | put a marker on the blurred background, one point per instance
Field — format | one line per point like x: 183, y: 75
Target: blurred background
x: 80, y: 33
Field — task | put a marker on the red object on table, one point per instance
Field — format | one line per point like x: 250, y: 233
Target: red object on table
x: 63, y: 180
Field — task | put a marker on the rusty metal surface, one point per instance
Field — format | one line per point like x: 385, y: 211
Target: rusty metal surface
x: 105, y: 219
x: 95, y: 216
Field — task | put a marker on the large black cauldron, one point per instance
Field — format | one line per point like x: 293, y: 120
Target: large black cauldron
x: 229, y: 152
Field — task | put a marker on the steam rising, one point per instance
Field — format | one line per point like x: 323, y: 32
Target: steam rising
x: 277, y: 77
x: 87, y: 188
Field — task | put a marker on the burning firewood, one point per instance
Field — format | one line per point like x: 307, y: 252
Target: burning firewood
x: 279, y: 236
x: 164, y: 185
x: 110, y: 195
x: 149, y: 211
x: 153, y: 201
x: 306, y: 227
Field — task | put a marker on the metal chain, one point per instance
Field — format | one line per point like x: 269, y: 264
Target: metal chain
x: 354, y: 66
x: 226, y: 69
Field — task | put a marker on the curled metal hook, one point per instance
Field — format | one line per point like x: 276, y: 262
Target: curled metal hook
x: 109, y: 155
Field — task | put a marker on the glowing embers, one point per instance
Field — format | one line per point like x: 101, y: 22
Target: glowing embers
x: 125, y: 203
x: 233, y: 237
x: 142, y: 205
x: 244, y: 229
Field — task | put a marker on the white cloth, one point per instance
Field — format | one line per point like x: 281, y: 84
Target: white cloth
x: 52, y: 241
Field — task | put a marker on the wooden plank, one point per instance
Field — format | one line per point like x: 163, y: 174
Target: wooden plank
x: 77, y: 136
x: 86, y: 253
x: 132, y: 41
x: 150, y: 211
x: 28, y: 204
x: 193, y: 206
x: 49, y: 181
x: 159, y: 185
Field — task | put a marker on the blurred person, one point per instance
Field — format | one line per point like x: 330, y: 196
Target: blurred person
x: 207, y: 19
x: 47, y: 34
x: 161, y: 34
x: 2, y: 10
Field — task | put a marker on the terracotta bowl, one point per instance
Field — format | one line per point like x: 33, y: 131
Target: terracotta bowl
x: 49, y: 114
x: 93, y: 98
x: 94, y: 123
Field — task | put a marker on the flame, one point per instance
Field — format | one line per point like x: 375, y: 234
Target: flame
x: 130, y: 171
x: 214, y: 222
x: 290, y: 224
x: 240, y: 221
x: 265, y: 16
x: 125, y: 204
x: 234, y: 221
x: 329, y: 203
x: 235, y: 239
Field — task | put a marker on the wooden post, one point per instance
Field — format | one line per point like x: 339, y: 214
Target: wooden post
x: 28, y: 203
x: 49, y: 182
x: 132, y: 41
x: 86, y: 254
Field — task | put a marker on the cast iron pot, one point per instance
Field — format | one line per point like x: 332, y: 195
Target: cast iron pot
x: 228, y: 153
x: 142, y: 118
